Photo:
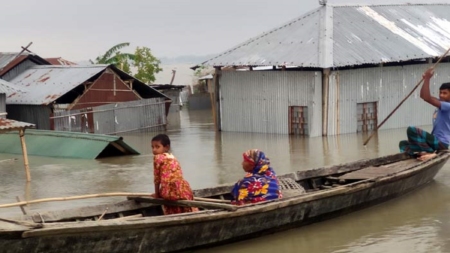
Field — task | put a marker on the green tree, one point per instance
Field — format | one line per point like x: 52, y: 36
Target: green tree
x: 146, y: 64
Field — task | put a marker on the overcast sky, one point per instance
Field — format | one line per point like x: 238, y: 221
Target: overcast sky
x: 83, y: 29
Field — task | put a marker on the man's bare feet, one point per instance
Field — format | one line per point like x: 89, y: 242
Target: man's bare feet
x: 426, y: 156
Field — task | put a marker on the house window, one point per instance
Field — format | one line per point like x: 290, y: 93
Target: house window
x: 298, y: 120
x: 367, y: 116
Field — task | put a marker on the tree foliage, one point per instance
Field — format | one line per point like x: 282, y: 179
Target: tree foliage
x: 145, y: 64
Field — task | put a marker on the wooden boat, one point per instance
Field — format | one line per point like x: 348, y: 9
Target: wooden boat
x: 137, y: 224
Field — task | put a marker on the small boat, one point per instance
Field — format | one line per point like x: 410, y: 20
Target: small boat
x: 138, y: 225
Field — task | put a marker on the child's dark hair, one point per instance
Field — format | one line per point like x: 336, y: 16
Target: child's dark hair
x: 445, y: 86
x: 163, y: 139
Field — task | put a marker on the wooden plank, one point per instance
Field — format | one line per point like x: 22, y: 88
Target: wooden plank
x: 127, y: 217
x: 88, y: 211
x: 22, y: 223
x: 120, y: 148
x: 191, y: 203
x: 377, y: 171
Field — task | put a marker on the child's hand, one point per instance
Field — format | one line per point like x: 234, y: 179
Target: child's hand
x: 428, y: 74
x: 154, y: 195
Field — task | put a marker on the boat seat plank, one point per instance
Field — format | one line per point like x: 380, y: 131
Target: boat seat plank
x: 83, y: 212
x: 377, y: 171
x: 192, y: 203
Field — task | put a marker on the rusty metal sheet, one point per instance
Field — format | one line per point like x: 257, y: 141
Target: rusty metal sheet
x: 9, y: 88
x: 9, y: 124
x: 45, y: 84
x: 106, y: 89
x: 59, y: 61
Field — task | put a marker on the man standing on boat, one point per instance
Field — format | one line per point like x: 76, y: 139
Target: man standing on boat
x: 420, y: 143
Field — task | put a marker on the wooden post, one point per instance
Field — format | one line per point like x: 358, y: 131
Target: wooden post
x: 211, y: 90
x: 325, y: 86
x: 25, y: 155
x: 338, y: 129
x: 217, y: 103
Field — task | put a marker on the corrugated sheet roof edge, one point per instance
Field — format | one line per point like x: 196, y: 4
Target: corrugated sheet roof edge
x: 101, y: 138
x: 127, y: 147
x: 306, y: 15
x: 96, y: 137
x: 72, y: 66
x: 384, y: 4
x: 112, y: 66
x: 265, y: 33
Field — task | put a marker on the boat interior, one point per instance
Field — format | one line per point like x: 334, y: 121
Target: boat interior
x: 219, y: 198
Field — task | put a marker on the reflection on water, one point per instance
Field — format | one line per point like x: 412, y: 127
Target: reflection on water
x: 418, y: 222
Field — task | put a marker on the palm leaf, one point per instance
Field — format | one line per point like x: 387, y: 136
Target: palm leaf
x: 106, y: 57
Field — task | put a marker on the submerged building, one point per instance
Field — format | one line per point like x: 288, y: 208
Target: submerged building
x: 337, y: 69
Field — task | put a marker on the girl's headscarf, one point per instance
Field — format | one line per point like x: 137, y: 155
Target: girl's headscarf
x: 260, y: 184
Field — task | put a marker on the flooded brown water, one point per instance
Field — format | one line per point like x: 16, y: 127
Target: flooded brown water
x: 417, y: 222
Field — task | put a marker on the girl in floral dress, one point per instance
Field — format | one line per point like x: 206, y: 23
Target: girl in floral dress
x: 259, y: 184
x: 168, y: 177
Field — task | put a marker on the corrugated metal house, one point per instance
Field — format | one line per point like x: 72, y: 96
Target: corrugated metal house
x: 55, y: 88
x: 6, y: 89
x: 171, y: 91
x: 174, y: 93
x: 12, y: 64
x: 336, y: 69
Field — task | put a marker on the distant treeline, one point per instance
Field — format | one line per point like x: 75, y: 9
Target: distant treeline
x: 195, y: 59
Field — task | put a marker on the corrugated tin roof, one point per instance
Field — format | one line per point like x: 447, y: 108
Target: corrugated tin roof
x: 6, y: 57
x: 47, y: 83
x: 337, y: 36
x: 65, y: 144
x: 8, y: 60
x: 59, y: 61
x: 9, y: 88
x: 210, y: 76
x: 9, y: 125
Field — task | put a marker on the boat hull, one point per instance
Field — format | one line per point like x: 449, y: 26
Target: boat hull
x: 215, y: 229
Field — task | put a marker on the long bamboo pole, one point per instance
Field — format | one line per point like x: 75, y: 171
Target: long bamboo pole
x: 99, y: 195
x: 25, y: 154
x: 395, y: 109
x: 195, y: 203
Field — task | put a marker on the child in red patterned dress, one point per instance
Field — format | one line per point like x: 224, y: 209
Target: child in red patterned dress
x: 168, y: 177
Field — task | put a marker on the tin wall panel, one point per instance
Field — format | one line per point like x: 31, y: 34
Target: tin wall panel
x: 386, y: 85
x: 35, y: 114
x: 2, y: 104
x: 258, y: 101
x: 131, y: 116
x: 115, y: 118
